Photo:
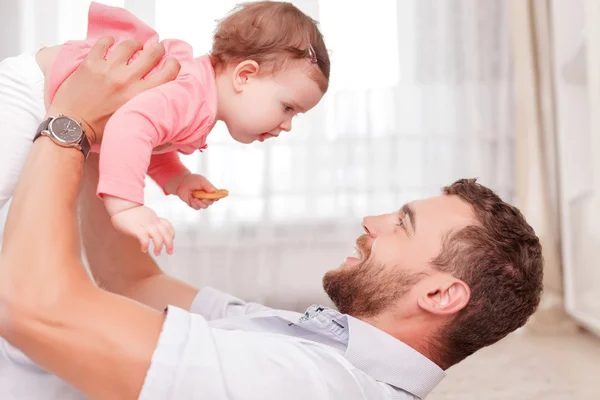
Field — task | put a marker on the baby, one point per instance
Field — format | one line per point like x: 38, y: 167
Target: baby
x: 267, y: 64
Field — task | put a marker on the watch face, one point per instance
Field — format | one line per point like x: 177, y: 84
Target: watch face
x: 66, y: 130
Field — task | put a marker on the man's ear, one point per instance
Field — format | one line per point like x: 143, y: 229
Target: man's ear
x: 447, y: 296
x: 242, y: 73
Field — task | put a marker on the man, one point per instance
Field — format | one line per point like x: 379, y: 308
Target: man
x: 429, y: 285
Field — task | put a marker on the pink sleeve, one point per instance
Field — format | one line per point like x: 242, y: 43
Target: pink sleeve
x: 165, y: 166
x: 157, y: 116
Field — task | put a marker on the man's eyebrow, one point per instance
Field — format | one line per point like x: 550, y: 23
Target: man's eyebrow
x: 408, y: 210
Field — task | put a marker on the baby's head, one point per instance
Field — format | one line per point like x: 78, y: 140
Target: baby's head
x: 271, y: 63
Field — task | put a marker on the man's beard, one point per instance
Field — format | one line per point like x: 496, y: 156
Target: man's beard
x: 367, y: 289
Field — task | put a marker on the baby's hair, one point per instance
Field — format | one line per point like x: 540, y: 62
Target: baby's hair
x: 270, y: 33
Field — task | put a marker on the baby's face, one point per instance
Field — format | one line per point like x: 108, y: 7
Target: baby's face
x: 268, y: 103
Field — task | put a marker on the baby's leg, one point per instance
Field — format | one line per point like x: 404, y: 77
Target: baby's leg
x: 21, y: 111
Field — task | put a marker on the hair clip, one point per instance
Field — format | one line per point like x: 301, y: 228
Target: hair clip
x: 312, y: 55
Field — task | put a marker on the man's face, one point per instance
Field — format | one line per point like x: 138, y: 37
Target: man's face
x: 394, y: 254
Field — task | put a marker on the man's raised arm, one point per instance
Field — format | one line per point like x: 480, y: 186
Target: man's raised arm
x: 99, y: 342
x: 115, y: 259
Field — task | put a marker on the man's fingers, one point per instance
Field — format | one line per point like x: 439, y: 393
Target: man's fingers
x: 123, y: 52
x: 100, y: 48
x: 165, y: 74
x: 148, y: 58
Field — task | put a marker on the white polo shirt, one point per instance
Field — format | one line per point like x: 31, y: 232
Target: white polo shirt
x: 226, y: 348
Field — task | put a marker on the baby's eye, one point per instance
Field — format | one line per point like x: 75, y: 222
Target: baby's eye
x: 401, y: 222
x: 287, y: 108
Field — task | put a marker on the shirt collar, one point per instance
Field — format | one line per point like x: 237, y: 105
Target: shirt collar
x: 376, y: 353
x: 390, y: 360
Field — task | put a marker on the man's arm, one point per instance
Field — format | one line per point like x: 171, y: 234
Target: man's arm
x: 99, y: 342
x: 115, y: 259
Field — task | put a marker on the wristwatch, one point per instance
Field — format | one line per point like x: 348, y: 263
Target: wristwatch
x: 65, y: 132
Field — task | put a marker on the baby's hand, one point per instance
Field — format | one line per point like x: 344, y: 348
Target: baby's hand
x: 143, y: 223
x: 193, y: 182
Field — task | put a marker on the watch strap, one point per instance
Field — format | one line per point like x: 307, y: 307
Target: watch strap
x: 85, y: 145
x: 42, y: 127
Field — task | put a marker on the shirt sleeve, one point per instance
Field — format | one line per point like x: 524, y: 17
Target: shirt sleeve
x: 154, y: 117
x: 213, y: 304
x: 21, y: 378
x: 194, y: 361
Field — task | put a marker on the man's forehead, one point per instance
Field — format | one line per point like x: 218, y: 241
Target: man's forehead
x: 448, y: 210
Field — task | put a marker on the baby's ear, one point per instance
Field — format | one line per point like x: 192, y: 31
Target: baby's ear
x: 243, y: 72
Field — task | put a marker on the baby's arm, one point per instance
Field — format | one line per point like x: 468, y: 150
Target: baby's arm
x: 174, y: 178
x: 152, y: 118
x: 166, y: 170
x: 125, y: 156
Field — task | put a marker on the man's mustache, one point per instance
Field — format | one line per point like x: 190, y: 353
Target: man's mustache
x: 362, y: 245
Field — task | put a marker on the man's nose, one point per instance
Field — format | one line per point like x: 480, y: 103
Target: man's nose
x: 369, y: 226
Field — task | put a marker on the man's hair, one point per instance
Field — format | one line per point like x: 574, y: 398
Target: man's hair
x: 500, y: 258
x: 270, y: 33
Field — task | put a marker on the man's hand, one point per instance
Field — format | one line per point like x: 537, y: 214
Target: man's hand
x: 38, y: 313
x: 99, y: 86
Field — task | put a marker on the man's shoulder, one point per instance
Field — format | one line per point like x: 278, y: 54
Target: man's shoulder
x: 214, y: 304
x: 288, y: 367
x: 194, y: 357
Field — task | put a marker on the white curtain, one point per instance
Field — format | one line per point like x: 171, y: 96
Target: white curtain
x: 421, y: 94
x: 577, y: 64
x: 539, y: 112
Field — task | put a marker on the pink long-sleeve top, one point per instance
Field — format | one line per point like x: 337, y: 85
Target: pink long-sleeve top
x: 146, y: 134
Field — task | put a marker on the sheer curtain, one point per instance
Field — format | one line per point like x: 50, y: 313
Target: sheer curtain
x: 576, y: 62
x: 421, y: 94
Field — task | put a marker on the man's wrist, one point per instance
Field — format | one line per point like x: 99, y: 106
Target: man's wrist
x: 89, y: 132
x: 72, y: 150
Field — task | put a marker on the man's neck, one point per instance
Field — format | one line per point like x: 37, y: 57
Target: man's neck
x: 413, y: 330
